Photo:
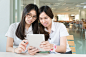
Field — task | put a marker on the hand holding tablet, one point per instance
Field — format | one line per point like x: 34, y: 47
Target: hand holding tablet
x: 35, y: 40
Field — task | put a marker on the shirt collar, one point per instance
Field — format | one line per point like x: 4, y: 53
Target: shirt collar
x: 52, y: 27
x: 30, y: 28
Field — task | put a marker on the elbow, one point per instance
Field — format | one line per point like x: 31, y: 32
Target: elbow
x: 6, y: 50
x: 64, y: 50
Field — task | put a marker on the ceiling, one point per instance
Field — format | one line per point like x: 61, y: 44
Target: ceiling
x: 61, y: 6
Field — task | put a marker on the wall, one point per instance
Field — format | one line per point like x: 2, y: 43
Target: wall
x: 4, y: 22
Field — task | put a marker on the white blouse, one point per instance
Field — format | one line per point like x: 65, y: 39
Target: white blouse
x: 58, y: 30
x: 11, y: 33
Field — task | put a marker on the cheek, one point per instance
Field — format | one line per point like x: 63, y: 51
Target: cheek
x: 33, y: 21
x: 49, y: 20
x: 40, y: 21
x: 26, y: 19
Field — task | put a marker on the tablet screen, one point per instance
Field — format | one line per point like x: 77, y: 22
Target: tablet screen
x: 35, y: 40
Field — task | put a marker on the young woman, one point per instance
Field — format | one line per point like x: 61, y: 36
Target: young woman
x: 55, y: 33
x: 17, y: 32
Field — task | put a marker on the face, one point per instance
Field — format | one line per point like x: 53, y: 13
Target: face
x: 45, y: 20
x: 30, y: 17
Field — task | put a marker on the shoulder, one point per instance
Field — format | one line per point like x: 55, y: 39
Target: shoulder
x: 57, y: 24
x: 14, y: 25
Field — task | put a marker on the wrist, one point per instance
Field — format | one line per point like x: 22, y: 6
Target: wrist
x: 14, y: 50
x: 53, y: 48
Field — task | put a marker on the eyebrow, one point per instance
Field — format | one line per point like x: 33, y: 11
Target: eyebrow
x: 43, y: 17
x: 31, y: 14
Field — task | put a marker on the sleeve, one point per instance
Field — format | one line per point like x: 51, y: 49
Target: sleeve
x: 63, y: 30
x: 11, y: 31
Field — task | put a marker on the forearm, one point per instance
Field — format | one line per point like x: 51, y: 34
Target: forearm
x: 60, y: 49
x: 9, y: 46
x: 9, y: 49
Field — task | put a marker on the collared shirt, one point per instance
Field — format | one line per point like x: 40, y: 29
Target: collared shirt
x: 11, y: 33
x: 58, y: 30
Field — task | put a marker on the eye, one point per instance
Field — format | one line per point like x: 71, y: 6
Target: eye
x: 28, y: 14
x: 40, y: 18
x: 46, y: 18
x: 34, y: 16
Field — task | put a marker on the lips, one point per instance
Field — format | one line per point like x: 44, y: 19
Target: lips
x: 29, y: 21
x: 45, y: 24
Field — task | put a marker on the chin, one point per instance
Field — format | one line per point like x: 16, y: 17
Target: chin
x: 45, y: 26
x: 28, y: 23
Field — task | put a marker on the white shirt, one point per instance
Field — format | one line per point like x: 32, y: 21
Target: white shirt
x: 11, y: 33
x: 58, y: 30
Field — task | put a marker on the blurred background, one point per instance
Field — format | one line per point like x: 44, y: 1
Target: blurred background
x: 70, y: 12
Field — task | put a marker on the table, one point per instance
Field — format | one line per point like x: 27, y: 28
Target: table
x: 9, y: 54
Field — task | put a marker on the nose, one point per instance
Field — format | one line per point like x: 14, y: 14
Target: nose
x: 43, y: 20
x: 31, y: 18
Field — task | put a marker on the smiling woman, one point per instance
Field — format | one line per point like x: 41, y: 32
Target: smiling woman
x: 17, y: 31
x: 55, y: 33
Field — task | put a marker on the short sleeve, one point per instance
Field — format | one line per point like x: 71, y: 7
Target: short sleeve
x: 11, y: 31
x: 63, y: 30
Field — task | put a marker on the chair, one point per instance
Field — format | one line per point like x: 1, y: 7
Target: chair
x: 71, y: 43
x: 73, y: 49
x: 70, y: 37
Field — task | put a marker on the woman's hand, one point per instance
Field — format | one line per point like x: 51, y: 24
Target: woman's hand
x: 21, y: 47
x: 32, y: 50
x: 46, y: 46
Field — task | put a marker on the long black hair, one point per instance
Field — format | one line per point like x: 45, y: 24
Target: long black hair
x: 20, y: 32
x: 48, y: 11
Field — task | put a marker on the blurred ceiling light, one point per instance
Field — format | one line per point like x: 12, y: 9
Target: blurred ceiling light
x: 83, y: 3
x: 55, y: 5
x: 79, y: 6
x: 22, y: 5
x: 72, y: 15
x: 84, y: 7
x: 47, y: 3
x: 53, y: 8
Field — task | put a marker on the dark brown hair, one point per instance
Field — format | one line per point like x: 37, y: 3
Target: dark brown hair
x: 20, y: 32
x: 48, y: 11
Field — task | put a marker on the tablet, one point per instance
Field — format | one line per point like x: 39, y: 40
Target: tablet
x: 35, y: 40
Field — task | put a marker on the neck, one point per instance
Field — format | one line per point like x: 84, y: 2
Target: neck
x: 49, y: 27
x: 27, y: 26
